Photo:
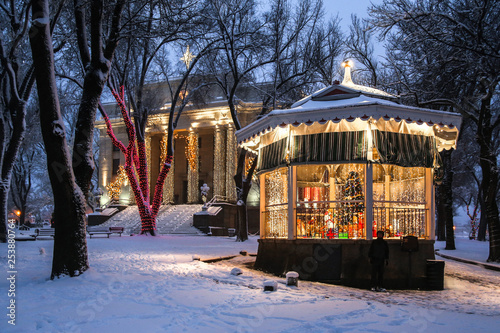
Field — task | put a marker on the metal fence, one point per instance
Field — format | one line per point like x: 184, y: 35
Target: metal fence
x: 342, y: 220
x: 399, y: 221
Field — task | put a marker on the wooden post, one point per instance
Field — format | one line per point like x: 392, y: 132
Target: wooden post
x: 430, y: 220
x: 262, y: 205
x: 368, y: 200
x: 292, y: 202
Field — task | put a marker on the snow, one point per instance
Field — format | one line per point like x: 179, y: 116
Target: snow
x: 152, y: 284
x: 468, y: 249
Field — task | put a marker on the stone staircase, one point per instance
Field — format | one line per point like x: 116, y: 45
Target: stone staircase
x: 128, y: 218
x: 172, y: 219
x: 178, y: 219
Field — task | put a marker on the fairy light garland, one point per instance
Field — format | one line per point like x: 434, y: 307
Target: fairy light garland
x: 248, y: 163
x: 193, y: 159
x: 115, y: 188
x: 276, y: 188
x: 192, y: 150
x: 168, y: 188
x: 219, y: 163
x: 230, y: 164
x: 136, y: 163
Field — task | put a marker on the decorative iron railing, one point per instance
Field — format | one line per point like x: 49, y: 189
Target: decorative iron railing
x: 399, y: 221
x: 331, y: 220
x: 344, y: 220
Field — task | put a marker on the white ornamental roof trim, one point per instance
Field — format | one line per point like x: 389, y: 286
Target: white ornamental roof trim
x: 361, y: 107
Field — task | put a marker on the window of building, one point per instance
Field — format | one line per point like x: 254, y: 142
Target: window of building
x: 331, y: 201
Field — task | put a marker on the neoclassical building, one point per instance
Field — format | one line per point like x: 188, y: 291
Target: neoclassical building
x: 204, y: 141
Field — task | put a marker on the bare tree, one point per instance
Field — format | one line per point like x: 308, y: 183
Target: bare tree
x: 70, y: 245
x: 447, y: 54
x: 70, y: 249
x: 304, y: 51
x: 22, y: 181
x: 282, y: 54
x: 97, y: 63
x: 359, y: 45
x: 15, y: 85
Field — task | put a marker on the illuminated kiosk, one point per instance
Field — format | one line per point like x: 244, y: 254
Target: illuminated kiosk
x: 336, y: 167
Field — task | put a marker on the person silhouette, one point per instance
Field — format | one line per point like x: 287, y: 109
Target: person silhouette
x: 379, y: 257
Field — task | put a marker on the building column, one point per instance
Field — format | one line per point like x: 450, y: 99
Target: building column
x: 369, y: 201
x: 292, y: 202
x: 231, y: 151
x: 219, y: 163
x: 430, y: 202
x: 262, y: 205
x: 168, y: 186
x: 193, y: 170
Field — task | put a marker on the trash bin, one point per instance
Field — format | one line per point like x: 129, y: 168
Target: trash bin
x: 435, y: 274
x: 231, y: 232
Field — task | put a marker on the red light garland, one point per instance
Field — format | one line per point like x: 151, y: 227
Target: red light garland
x: 135, y: 161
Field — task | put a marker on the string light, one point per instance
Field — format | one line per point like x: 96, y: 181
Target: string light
x: 219, y: 163
x: 136, y: 167
x: 168, y: 188
x: 249, y: 159
x: 193, y: 159
x: 399, y: 197
x: 192, y: 150
x: 231, y: 164
x: 276, y: 189
x: 115, y: 188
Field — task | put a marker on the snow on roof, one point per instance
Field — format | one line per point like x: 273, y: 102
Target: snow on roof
x: 361, y: 107
x: 361, y: 100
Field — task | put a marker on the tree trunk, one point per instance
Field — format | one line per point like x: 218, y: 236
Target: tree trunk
x: 70, y: 244
x: 4, y: 196
x: 489, y: 169
x: 489, y: 188
x: 83, y: 157
x: 441, y: 222
x: 243, y: 184
x: 483, y: 223
x: 446, y: 199
x: 9, y: 150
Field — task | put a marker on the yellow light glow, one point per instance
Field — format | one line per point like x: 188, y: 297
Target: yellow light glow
x: 348, y: 63
x: 187, y: 57
x: 18, y: 212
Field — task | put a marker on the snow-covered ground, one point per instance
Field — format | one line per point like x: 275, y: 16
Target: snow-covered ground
x: 467, y: 249
x: 151, y: 284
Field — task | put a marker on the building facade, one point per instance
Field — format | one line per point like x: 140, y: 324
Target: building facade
x: 205, y: 150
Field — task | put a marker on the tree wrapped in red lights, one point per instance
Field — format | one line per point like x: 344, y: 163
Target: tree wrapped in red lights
x: 136, y: 163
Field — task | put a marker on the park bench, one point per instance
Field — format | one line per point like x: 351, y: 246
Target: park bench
x: 105, y: 231
x: 219, y: 231
x: 98, y: 231
x: 116, y: 230
x: 49, y: 232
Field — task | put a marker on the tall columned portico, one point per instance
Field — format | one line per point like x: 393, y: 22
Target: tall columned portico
x: 193, y: 167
